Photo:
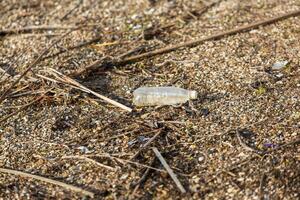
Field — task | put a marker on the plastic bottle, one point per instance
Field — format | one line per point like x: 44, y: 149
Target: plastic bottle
x: 150, y: 96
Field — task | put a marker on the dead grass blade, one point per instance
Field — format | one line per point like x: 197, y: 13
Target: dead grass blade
x: 126, y: 161
x: 77, y: 46
x: 47, y: 180
x: 142, y: 180
x: 89, y: 160
x: 100, y: 63
x: 36, y: 28
x: 21, y: 109
x: 35, y: 62
x: 146, y: 144
x: 212, y: 37
x: 72, y: 82
x: 169, y: 170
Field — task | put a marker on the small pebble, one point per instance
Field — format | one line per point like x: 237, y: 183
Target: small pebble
x: 83, y: 149
x: 279, y: 65
x: 201, y: 158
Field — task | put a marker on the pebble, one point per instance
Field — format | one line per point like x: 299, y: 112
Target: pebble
x: 201, y: 158
x: 279, y: 65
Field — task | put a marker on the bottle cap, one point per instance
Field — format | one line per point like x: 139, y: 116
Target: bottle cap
x: 193, y: 94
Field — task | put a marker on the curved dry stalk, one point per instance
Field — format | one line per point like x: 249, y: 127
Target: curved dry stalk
x: 89, y: 160
x: 21, y: 109
x: 69, y: 81
x: 47, y: 180
x: 126, y: 161
x: 35, y: 62
x: 117, y: 62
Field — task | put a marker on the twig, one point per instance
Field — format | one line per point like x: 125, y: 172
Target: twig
x: 47, y: 180
x: 89, y: 160
x: 142, y: 180
x: 233, y: 166
x: 146, y: 144
x: 21, y: 109
x: 79, y: 45
x: 91, y: 67
x: 36, y: 28
x: 35, y: 62
x: 206, y: 7
x: 212, y: 37
x: 70, y: 11
x: 126, y: 133
x: 132, y: 51
x: 169, y: 170
x: 71, y: 82
x: 126, y: 161
x: 28, y: 93
x: 101, y: 63
x: 297, y: 141
x: 261, y: 186
x: 245, y: 146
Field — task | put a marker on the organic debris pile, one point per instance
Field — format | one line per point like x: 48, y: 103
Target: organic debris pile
x: 69, y: 130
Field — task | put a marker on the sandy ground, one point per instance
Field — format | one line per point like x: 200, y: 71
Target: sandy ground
x: 233, y: 142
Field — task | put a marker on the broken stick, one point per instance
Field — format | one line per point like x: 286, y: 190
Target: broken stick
x: 169, y: 170
x: 146, y: 144
x: 117, y: 62
x: 72, y: 82
x: 79, y: 45
x: 47, y: 180
x: 35, y: 62
x: 21, y: 109
x: 36, y: 28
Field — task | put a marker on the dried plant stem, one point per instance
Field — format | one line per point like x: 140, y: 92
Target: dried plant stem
x: 146, y: 144
x: 89, y: 160
x: 142, y: 180
x: 72, y: 82
x: 169, y: 170
x: 70, y: 11
x: 294, y: 142
x: 36, y: 28
x: 79, y: 45
x: 35, y: 62
x: 21, y: 109
x: 47, y: 180
x: 126, y: 161
x: 212, y: 37
x: 246, y: 146
x: 99, y: 63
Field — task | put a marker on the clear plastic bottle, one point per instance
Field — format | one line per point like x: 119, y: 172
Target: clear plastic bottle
x: 150, y: 96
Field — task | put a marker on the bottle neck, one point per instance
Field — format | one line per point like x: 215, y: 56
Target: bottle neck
x: 193, y: 94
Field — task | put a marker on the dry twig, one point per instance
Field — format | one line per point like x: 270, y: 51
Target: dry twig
x: 21, y: 109
x: 67, y: 80
x: 169, y: 170
x: 116, y: 62
x: 79, y: 45
x: 126, y: 161
x: 89, y: 160
x: 146, y: 144
x: 70, y: 11
x: 142, y: 180
x: 35, y: 62
x: 47, y: 180
x: 261, y: 185
x: 245, y: 146
x: 36, y: 28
